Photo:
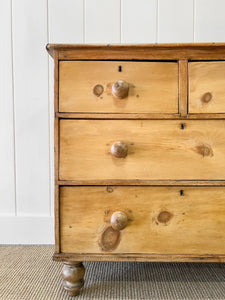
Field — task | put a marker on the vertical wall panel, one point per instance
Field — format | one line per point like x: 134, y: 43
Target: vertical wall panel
x: 7, y: 188
x: 175, y: 21
x: 65, y: 21
x: 31, y: 106
x: 66, y: 25
x: 102, y: 21
x: 138, y: 21
x: 209, y: 21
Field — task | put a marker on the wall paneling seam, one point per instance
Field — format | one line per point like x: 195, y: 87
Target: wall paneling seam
x: 13, y: 113
x: 49, y: 115
x: 121, y: 21
x: 84, y: 20
x: 157, y: 22
x: 194, y: 15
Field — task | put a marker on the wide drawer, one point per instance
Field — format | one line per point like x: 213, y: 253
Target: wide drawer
x: 86, y: 86
x: 172, y: 149
x: 159, y: 220
x: 207, y: 87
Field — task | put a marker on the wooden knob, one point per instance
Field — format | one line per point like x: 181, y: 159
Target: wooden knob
x: 119, y: 149
x: 206, y: 97
x: 120, y: 89
x: 119, y: 220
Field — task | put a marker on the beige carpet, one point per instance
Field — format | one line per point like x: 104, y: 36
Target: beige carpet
x: 28, y: 272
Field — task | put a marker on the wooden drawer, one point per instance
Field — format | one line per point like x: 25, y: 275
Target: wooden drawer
x: 169, y: 149
x: 159, y: 220
x: 207, y: 87
x: 86, y: 86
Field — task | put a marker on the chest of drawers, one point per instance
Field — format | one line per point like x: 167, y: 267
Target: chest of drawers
x: 139, y: 154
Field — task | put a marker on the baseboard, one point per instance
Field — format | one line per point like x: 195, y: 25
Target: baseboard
x: 26, y: 230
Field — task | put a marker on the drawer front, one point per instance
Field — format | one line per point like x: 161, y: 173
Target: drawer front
x: 207, y: 87
x: 148, y: 149
x: 155, y: 220
x: 86, y: 86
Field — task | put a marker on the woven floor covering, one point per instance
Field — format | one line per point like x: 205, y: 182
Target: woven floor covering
x: 28, y: 272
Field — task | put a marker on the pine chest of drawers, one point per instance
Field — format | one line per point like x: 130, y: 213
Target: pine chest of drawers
x: 139, y: 154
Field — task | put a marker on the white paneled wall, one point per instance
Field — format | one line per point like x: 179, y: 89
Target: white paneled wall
x: 138, y: 21
x: 26, y: 85
x: 7, y: 174
x: 209, y: 22
x: 102, y: 21
x: 175, y: 21
x: 30, y: 68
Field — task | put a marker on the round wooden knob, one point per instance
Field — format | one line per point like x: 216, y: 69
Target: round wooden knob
x: 206, y: 97
x: 120, y: 89
x: 119, y: 220
x: 119, y: 149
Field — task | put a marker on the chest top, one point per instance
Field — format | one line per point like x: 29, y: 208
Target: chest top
x: 166, y: 81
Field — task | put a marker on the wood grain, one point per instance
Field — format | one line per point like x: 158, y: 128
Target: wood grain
x: 206, y: 87
x: 183, y: 85
x: 140, y: 116
x: 169, y: 151
x: 72, y: 274
x: 160, y: 219
x: 156, y: 150
x: 142, y: 257
x: 214, y: 183
x: 190, y: 51
x: 153, y: 87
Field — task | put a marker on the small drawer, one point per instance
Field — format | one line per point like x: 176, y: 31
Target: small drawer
x: 207, y: 87
x: 142, y: 149
x: 137, y: 219
x: 118, y: 87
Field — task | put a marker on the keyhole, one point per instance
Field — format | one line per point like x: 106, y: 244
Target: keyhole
x: 120, y: 68
x: 181, y: 192
x: 182, y: 126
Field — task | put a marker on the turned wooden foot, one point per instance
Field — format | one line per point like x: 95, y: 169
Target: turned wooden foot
x: 72, y: 274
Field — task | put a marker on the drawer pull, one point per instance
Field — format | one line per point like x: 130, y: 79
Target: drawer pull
x: 119, y: 149
x: 120, y: 89
x: 119, y: 220
x: 206, y: 97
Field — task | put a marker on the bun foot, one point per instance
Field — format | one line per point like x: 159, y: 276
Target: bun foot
x: 72, y: 274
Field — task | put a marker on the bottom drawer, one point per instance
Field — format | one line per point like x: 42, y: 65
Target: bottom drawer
x: 159, y: 220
